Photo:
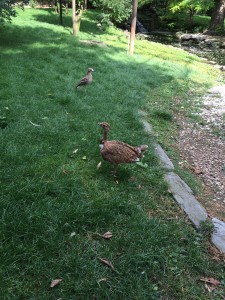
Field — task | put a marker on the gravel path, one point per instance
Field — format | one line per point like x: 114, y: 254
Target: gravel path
x: 203, y: 151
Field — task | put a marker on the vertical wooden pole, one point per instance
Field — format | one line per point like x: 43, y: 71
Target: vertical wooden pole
x: 60, y: 12
x: 67, y: 7
x: 85, y: 4
x: 74, y: 17
x: 133, y: 26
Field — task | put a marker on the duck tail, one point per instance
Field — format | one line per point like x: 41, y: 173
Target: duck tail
x: 141, y: 148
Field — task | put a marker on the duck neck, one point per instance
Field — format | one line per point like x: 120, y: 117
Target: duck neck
x: 105, y: 135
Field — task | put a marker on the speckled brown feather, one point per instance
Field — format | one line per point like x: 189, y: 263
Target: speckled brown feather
x: 87, y: 79
x: 117, y: 152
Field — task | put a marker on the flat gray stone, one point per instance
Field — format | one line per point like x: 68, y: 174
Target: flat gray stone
x: 164, y: 159
x: 165, y: 162
x: 218, y: 236
x: 185, y: 198
x: 147, y: 127
x: 218, y: 90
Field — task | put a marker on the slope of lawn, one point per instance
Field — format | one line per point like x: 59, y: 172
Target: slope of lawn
x: 55, y: 204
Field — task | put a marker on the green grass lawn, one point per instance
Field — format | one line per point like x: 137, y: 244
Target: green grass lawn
x: 55, y: 203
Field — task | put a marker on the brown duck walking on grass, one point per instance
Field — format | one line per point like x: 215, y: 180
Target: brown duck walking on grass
x: 87, y: 79
x: 117, y: 152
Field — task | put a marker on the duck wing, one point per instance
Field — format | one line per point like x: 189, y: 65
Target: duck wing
x: 117, y: 152
x: 85, y: 80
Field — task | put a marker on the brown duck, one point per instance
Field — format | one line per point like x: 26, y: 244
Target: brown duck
x: 87, y: 79
x: 117, y: 152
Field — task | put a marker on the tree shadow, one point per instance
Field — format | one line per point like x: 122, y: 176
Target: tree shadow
x: 39, y: 49
x: 88, y: 24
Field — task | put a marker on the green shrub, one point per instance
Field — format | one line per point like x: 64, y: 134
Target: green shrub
x: 115, y: 11
x: 8, y: 9
x: 104, y: 19
x: 33, y: 3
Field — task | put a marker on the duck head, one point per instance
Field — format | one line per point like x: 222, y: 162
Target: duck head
x: 104, y: 125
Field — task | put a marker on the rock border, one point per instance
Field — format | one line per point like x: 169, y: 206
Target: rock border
x: 184, y: 195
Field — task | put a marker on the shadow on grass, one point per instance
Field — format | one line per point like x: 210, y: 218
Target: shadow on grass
x: 53, y: 205
x: 88, y: 20
x: 44, y: 65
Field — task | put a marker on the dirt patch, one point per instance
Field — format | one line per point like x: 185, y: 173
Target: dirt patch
x: 202, y: 150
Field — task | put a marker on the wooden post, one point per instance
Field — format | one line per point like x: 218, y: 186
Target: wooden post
x: 67, y: 7
x: 74, y: 17
x: 133, y: 26
x: 60, y: 12
x: 85, y: 4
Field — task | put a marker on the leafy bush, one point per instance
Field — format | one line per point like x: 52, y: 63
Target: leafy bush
x: 115, y: 11
x: 104, y: 20
x: 7, y: 9
x: 33, y: 3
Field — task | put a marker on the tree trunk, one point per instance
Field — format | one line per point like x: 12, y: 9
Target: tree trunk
x: 191, y: 15
x: 56, y: 7
x: 217, y: 19
x: 133, y: 26
x: 67, y: 7
x: 85, y: 4
x: 60, y: 13
x: 74, y: 17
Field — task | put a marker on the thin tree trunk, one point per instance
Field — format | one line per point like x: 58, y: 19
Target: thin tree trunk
x: 191, y: 15
x: 56, y: 7
x: 67, y: 7
x: 85, y: 4
x: 133, y: 26
x: 74, y: 17
x: 217, y: 18
x: 60, y: 13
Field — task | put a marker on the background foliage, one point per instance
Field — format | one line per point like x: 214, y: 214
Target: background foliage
x: 115, y: 11
x: 7, y: 9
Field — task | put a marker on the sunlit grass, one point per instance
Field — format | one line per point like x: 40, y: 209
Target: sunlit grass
x: 55, y: 204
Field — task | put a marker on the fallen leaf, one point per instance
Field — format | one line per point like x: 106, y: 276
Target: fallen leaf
x: 209, y: 288
x: 65, y: 172
x: 84, y: 157
x: 55, y: 282
x: 210, y: 280
x: 99, y: 165
x: 37, y: 125
x: 107, y: 235
x: 140, y: 187
x: 102, y: 279
x: 132, y: 178
x: 143, y: 165
x: 169, y: 191
x: 108, y: 263
x: 196, y: 171
x: 50, y: 94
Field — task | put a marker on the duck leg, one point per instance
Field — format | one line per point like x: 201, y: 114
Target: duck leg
x: 114, y: 170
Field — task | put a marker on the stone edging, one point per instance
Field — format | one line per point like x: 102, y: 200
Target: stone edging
x: 184, y: 195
